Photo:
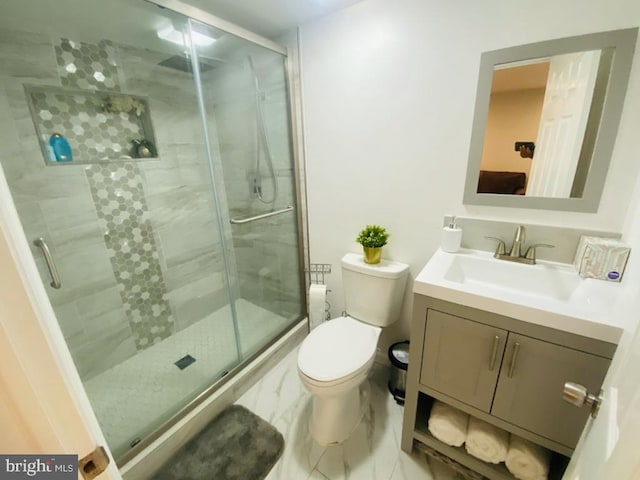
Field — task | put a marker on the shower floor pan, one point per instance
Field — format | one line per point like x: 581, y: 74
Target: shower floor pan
x: 133, y: 398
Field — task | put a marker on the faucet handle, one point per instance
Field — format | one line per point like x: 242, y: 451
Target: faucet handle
x: 501, y: 248
x: 531, y: 251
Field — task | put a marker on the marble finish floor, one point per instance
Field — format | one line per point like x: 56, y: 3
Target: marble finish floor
x: 136, y: 396
x: 372, y: 452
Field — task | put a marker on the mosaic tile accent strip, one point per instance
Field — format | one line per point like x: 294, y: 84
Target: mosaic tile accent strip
x: 86, y: 65
x: 124, y: 217
x: 93, y: 132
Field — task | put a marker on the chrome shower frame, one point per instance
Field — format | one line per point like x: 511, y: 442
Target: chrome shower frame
x: 297, y: 147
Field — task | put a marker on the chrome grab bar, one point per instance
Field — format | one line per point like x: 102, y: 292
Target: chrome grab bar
x: 53, y: 271
x: 240, y: 221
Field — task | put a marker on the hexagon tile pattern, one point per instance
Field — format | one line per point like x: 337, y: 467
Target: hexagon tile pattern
x: 122, y: 209
x: 86, y: 65
x: 93, y: 133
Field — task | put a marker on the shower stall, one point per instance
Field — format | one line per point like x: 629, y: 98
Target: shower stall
x: 151, y: 162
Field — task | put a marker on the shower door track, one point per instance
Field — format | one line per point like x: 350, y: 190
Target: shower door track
x: 217, y: 22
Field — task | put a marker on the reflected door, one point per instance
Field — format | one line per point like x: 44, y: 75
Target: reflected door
x: 562, y: 123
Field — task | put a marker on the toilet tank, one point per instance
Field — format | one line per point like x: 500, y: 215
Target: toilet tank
x: 373, y: 293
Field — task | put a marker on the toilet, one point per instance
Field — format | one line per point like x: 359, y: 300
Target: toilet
x: 335, y: 358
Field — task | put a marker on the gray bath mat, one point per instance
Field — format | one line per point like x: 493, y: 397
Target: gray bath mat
x: 236, y: 445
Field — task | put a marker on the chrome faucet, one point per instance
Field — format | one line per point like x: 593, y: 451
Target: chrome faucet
x: 515, y: 254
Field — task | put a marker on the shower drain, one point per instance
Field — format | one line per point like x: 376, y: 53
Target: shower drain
x: 184, y: 362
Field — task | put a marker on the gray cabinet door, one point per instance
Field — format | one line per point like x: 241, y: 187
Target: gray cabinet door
x: 529, y: 392
x: 462, y: 358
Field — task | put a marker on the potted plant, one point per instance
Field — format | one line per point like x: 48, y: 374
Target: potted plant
x: 372, y: 239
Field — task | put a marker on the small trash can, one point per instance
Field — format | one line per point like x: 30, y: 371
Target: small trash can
x: 399, y: 358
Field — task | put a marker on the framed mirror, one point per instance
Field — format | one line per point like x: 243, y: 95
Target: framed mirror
x: 545, y: 122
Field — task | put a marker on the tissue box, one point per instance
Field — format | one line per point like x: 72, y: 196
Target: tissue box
x: 602, y: 258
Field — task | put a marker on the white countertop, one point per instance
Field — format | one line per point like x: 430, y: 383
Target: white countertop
x: 587, y: 311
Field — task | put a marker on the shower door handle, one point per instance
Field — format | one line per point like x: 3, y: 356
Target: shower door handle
x: 53, y: 271
x: 240, y: 221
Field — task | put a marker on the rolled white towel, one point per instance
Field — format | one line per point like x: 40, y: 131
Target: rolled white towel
x: 486, y: 442
x: 448, y: 424
x: 526, y: 460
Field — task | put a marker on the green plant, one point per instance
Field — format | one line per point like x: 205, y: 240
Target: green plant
x: 373, y: 236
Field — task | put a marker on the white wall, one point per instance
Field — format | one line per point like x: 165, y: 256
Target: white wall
x: 389, y: 91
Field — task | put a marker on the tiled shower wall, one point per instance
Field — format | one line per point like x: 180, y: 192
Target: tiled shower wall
x: 267, y: 258
x: 166, y: 232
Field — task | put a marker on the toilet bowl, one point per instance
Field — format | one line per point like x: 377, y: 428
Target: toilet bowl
x: 335, y: 358
x: 333, y: 362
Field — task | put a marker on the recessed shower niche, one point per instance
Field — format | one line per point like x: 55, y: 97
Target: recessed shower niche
x: 98, y: 125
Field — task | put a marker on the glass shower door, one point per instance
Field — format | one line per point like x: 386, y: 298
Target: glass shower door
x: 129, y: 220
x: 246, y: 111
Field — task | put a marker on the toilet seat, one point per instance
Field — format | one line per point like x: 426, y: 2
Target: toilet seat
x: 337, y: 349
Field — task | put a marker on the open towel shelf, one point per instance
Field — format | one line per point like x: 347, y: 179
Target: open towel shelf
x: 459, y: 459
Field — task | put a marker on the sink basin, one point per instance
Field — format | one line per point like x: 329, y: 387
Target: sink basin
x: 548, y: 294
x: 548, y: 280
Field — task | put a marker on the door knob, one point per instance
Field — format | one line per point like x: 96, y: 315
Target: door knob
x: 578, y: 396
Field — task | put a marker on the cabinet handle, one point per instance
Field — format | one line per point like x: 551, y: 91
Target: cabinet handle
x: 514, y: 358
x: 494, y: 353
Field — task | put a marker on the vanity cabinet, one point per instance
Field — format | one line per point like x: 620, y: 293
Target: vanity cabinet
x: 502, y: 370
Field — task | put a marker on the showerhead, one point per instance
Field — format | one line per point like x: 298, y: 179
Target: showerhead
x: 182, y: 63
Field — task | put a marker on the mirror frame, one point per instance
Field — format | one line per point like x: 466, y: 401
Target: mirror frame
x: 624, y: 42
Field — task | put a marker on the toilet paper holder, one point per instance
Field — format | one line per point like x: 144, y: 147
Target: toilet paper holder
x: 317, y: 271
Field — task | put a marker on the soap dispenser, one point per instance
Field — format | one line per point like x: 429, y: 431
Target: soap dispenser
x: 451, y: 237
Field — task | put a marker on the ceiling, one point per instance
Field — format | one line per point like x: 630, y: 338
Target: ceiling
x: 520, y: 77
x: 270, y: 18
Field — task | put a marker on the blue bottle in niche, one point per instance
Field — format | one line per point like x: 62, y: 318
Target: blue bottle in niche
x: 61, y: 148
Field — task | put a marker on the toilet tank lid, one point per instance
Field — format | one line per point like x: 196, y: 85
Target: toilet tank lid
x: 386, y: 268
